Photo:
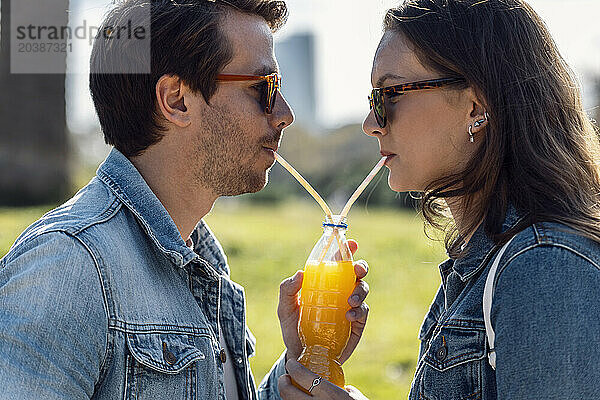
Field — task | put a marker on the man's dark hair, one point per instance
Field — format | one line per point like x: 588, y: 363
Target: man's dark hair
x: 186, y: 40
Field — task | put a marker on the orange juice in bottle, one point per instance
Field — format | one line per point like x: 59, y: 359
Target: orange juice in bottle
x: 329, y: 280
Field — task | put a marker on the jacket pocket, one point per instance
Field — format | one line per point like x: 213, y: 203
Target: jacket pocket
x: 454, y: 346
x: 453, y: 363
x: 166, y: 366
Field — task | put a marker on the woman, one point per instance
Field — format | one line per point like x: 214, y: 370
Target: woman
x: 494, y: 135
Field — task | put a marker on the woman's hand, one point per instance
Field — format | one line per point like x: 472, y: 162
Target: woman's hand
x: 305, y: 378
x: 288, y: 310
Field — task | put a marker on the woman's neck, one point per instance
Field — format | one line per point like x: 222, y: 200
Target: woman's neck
x: 459, y: 214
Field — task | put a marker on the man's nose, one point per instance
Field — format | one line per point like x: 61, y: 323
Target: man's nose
x: 282, y: 115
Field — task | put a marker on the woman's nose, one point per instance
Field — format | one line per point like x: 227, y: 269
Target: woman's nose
x: 370, y: 126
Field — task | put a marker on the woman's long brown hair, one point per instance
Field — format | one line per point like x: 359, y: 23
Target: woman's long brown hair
x: 540, y: 152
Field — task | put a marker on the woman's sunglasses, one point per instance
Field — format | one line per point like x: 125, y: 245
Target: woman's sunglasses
x: 377, y: 97
x: 268, y: 92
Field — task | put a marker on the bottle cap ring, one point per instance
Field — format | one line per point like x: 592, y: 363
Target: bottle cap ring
x: 342, y: 225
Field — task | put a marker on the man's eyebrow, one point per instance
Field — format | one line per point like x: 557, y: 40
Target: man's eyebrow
x: 265, y: 70
x: 383, y: 78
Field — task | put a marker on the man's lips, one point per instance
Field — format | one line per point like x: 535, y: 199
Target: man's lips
x: 272, y: 150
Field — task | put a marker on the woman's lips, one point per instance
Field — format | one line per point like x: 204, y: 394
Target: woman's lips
x: 388, y: 156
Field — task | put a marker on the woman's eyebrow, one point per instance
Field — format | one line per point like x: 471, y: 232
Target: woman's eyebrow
x: 383, y: 78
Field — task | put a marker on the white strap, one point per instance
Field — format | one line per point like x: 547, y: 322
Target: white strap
x: 488, y: 293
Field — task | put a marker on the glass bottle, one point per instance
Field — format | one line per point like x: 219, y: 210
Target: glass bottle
x: 329, y: 280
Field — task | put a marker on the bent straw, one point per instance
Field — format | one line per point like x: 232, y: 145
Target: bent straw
x: 362, y: 187
x: 304, y: 183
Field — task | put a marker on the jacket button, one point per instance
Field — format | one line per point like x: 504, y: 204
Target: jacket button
x: 168, y: 356
x: 223, y: 356
x: 441, y: 353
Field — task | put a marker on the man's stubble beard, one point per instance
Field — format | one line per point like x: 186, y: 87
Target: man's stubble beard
x: 229, y: 159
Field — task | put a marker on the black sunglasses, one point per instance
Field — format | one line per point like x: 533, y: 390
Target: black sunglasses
x: 377, y: 97
x: 272, y: 83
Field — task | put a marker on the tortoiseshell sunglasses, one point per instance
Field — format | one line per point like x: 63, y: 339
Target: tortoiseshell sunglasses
x: 272, y: 83
x: 377, y: 97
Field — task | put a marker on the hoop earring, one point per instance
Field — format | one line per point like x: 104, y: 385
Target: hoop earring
x: 471, y: 137
x: 486, y: 117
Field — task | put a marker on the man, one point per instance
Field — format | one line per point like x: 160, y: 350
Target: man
x: 123, y: 292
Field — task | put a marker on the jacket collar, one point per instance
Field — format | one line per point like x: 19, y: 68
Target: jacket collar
x: 481, y: 247
x: 125, y: 181
x: 209, y: 249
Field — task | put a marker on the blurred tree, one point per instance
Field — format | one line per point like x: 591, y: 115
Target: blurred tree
x: 33, y: 136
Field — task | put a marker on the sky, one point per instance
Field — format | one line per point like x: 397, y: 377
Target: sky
x: 346, y: 36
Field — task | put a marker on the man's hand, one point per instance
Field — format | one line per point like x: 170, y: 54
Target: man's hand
x: 288, y: 310
x: 305, y: 378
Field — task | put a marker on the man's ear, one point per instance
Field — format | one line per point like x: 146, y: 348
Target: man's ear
x: 170, y: 96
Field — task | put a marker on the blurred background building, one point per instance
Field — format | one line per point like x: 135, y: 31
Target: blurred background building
x: 296, y: 57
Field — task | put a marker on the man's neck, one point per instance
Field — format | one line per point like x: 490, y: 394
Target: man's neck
x: 185, y: 201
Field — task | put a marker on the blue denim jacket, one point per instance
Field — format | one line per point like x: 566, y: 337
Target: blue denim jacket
x: 101, y: 298
x: 545, y: 312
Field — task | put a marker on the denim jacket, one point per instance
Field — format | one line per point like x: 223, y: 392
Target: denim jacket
x: 545, y: 312
x: 101, y: 298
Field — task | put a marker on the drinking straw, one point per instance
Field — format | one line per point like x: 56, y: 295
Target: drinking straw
x: 324, y: 205
x: 351, y: 201
x: 328, y: 245
x: 362, y: 187
x: 316, y: 196
x: 304, y: 183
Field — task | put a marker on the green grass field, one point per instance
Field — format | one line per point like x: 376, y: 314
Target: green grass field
x: 266, y: 244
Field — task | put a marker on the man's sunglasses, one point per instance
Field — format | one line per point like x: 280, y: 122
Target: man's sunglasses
x: 268, y: 92
x: 377, y: 97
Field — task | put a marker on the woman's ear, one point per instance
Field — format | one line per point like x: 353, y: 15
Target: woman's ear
x: 170, y: 96
x: 478, y: 117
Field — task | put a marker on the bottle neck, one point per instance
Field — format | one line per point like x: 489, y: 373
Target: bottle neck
x: 329, y: 230
x: 335, y: 222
